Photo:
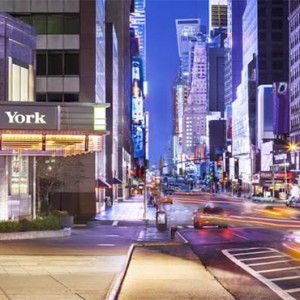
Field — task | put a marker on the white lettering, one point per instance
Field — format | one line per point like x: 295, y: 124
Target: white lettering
x: 39, y: 119
x: 10, y: 116
x: 35, y: 118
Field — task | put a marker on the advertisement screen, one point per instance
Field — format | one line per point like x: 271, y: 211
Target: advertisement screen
x: 138, y: 141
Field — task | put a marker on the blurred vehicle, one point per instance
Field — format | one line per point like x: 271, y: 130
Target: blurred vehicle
x: 276, y: 212
x: 293, y: 201
x: 166, y: 200
x: 209, y: 215
x: 291, y: 242
x: 168, y: 192
x: 258, y: 198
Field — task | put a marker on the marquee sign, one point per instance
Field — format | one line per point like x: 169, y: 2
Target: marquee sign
x: 28, y: 117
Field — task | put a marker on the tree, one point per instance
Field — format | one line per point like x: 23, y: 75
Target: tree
x: 52, y: 174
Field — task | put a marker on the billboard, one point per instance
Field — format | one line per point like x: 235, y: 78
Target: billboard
x: 138, y: 137
x: 281, y: 108
x: 137, y: 109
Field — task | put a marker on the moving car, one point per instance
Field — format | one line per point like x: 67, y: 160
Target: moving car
x: 293, y: 201
x: 258, y: 198
x: 209, y: 215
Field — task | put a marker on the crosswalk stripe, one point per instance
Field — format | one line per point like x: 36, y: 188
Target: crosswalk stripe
x: 268, y: 263
x: 285, y: 278
x: 278, y: 269
x: 257, y: 252
x: 258, y: 258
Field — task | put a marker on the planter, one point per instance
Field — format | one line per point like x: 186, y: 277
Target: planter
x: 67, y: 221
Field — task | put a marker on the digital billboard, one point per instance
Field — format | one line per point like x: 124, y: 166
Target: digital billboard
x: 138, y: 141
x: 280, y: 108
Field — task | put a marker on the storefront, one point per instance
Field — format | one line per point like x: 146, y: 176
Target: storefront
x: 29, y: 130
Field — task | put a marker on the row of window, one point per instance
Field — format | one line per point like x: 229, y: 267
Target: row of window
x: 57, y: 63
x: 294, y: 39
x: 57, y: 97
x: 52, y: 23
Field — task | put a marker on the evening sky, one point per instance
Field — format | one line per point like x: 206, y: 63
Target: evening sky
x: 162, y: 62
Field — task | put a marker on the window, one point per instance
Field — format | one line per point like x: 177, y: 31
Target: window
x: 55, y: 24
x: 41, y: 97
x: 71, y: 97
x: 39, y: 22
x: 41, y: 64
x: 57, y: 63
x: 55, y: 60
x: 55, y: 97
x: 71, y: 63
x: 71, y: 24
x: 276, y: 36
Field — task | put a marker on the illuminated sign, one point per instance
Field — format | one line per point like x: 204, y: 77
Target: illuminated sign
x: 27, y: 117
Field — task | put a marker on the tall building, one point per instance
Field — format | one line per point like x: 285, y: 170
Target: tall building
x: 194, y: 115
x: 71, y: 54
x: 186, y: 30
x: 217, y: 14
x: 138, y: 23
x: 265, y: 53
x: 294, y: 80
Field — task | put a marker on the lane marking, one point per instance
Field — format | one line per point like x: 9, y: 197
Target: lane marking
x: 258, y: 258
x: 279, y: 269
x: 106, y: 245
x: 115, y: 223
x: 275, y: 288
x: 112, y: 235
x: 257, y: 252
x: 269, y: 263
x: 285, y: 278
x: 240, y: 236
x: 243, y: 249
x: 295, y: 290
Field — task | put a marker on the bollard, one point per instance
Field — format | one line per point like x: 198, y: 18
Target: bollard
x: 173, y: 230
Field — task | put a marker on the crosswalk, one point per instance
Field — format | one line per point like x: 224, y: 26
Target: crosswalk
x: 278, y: 271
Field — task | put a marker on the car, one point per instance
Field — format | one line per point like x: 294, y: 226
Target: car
x: 293, y: 201
x: 262, y: 199
x: 291, y: 243
x: 209, y: 215
x: 166, y: 200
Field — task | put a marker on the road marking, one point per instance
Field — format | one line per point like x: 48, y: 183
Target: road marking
x: 279, y: 269
x: 257, y: 252
x: 106, y: 245
x: 285, y: 278
x: 268, y: 263
x: 112, y: 235
x: 293, y: 290
x: 240, y: 236
x: 258, y: 258
x: 115, y: 223
x: 275, y: 288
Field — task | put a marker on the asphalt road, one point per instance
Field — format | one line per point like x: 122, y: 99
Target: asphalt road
x: 248, y: 258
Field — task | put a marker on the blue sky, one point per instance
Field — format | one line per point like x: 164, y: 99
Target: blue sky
x: 162, y: 62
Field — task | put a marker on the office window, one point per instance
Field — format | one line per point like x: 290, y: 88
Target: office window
x: 55, y: 24
x: 71, y: 63
x: 55, y: 63
x: 41, y: 64
x: 71, y: 97
x: 55, y: 97
x: 39, y: 22
x: 71, y: 24
x: 277, y: 36
x: 41, y: 97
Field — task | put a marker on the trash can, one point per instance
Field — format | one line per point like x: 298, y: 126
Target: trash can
x: 161, y: 220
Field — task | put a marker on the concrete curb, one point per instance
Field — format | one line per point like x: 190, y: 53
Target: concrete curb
x: 116, y: 285
x: 35, y: 234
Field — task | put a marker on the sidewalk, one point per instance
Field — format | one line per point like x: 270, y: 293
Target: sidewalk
x: 158, y: 267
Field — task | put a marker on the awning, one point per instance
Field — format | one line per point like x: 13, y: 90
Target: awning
x: 100, y: 183
x: 116, y: 180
